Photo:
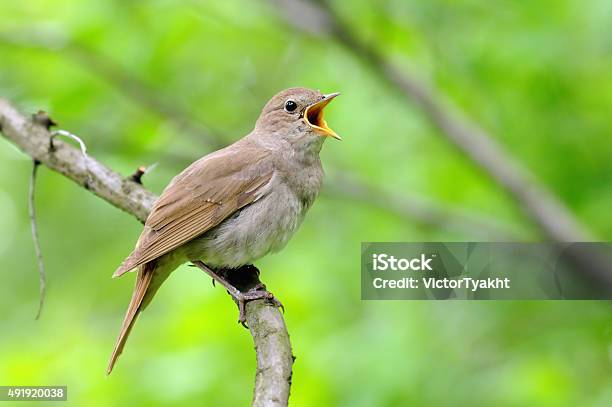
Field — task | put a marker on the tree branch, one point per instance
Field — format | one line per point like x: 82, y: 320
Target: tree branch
x: 420, y: 210
x: 542, y: 206
x: 120, y: 78
x: 267, y: 327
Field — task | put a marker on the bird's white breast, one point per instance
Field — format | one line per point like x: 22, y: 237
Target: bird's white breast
x: 262, y: 227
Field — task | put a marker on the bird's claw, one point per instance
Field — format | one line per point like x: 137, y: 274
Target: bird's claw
x: 252, y: 295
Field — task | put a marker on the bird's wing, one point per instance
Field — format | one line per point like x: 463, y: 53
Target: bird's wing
x: 199, y: 198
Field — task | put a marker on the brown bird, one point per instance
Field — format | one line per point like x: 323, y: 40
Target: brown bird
x: 235, y: 205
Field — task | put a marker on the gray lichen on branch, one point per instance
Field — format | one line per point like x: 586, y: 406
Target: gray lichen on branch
x: 266, y: 324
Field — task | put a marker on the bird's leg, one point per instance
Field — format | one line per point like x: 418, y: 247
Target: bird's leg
x: 242, y: 284
x: 212, y: 279
x: 246, y: 280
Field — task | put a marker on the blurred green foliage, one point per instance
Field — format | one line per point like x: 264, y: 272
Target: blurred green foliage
x: 537, y: 74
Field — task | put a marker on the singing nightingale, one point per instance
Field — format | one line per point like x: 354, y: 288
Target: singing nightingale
x: 235, y: 205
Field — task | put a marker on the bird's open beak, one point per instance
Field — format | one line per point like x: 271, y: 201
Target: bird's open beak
x: 314, y: 116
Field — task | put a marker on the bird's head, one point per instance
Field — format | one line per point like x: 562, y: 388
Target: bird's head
x: 296, y: 115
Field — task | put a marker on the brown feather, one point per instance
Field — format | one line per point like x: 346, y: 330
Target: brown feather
x: 199, y: 198
x: 145, y: 275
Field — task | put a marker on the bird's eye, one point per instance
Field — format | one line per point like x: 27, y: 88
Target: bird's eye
x: 290, y: 106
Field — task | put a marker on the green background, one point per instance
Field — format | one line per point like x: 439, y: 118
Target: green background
x: 134, y: 79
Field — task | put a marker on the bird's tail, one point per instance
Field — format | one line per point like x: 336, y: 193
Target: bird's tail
x: 146, y: 272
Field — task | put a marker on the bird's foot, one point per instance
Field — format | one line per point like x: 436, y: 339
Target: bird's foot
x: 259, y: 292
x: 242, y: 285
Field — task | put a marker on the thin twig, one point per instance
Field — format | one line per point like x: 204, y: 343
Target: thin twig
x: 32, y: 208
x: 65, y: 133
x: 140, y: 172
x: 34, y: 228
